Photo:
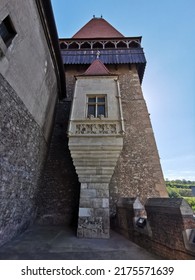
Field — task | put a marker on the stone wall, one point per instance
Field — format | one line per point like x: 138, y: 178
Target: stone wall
x: 168, y: 229
x: 22, y: 149
x: 59, y: 190
x: 138, y: 171
x: 28, y: 94
x: 27, y: 64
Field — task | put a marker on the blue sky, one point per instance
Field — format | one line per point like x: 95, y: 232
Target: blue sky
x: 168, y: 38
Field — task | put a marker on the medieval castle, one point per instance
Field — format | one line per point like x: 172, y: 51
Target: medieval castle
x: 77, y: 145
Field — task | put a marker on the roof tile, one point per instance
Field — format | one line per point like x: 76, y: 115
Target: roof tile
x: 97, y: 28
x: 97, y: 68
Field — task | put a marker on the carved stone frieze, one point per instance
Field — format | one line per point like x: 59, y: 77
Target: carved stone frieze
x: 96, y: 128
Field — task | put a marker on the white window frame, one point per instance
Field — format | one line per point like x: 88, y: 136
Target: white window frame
x: 97, y: 103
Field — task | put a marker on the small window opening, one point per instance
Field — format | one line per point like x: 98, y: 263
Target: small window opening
x: 134, y: 44
x: 7, y: 31
x: 73, y: 45
x: 86, y: 45
x: 63, y: 46
x: 96, y: 106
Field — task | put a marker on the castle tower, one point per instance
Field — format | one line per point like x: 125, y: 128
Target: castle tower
x: 101, y: 64
x: 95, y: 141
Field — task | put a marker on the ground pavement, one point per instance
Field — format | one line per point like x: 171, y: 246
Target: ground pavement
x: 60, y: 243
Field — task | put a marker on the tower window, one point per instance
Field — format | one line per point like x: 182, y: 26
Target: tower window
x: 7, y: 31
x: 96, y: 106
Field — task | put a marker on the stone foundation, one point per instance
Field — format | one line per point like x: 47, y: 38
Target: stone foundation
x: 94, y: 218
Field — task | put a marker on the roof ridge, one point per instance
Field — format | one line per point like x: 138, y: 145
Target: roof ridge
x: 96, y: 68
x: 97, y: 28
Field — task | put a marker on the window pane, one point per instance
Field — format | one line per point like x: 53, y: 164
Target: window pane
x: 92, y: 100
x: 101, y: 99
x: 101, y: 110
x: 91, y: 110
x: 7, y: 31
x: 3, y: 30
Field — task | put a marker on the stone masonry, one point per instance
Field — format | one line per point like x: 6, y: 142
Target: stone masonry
x: 168, y: 229
x: 31, y: 80
x: 95, y: 145
x: 22, y: 148
x: 60, y: 188
x: 138, y: 172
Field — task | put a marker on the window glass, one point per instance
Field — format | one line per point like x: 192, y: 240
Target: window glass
x: 7, y: 31
x: 96, y: 106
x: 91, y: 110
x: 92, y: 100
x: 101, y: 110
x: 101, y: 99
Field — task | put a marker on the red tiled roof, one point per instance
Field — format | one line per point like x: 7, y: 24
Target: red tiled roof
x: 97, y: 28
x: 97, y: 68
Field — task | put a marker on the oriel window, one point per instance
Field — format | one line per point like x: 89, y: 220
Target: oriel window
x: 96, y: 106
x: 7, y: 31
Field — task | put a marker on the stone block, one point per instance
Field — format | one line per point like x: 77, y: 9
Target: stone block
x: 106, y: 222
x: 105, y: 234
x: 86, y: 212
x: 103, y: 193
x: 83, y: 185
x: 79, y: 232
x: 89, y: 233
x: 94, y: 233
x: 101, y: 212
x: 105, y: 203
x: 98, y: 186
x: 88, y: 193
x: 97, y: 202
x: 86, y: 202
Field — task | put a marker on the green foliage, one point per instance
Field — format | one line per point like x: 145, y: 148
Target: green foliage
x: 181, y: 188
x: 185, y: 192
x: 173, y: 192
x: 183, y: 184
x: 191, y: 202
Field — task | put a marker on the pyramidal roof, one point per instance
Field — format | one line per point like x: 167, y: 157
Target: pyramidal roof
x: 97, y: 68
x: 97, y: 28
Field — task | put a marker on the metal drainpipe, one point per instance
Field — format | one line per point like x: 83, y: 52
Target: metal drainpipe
x: 120, y: 107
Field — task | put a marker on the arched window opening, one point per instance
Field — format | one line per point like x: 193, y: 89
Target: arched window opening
x: 109, y: 45
x: 134, y: 44
x: 74, y: 45
x: 121, y: 44
x: 97, y: 45
x: 63, y: 46
x: 85, y: 45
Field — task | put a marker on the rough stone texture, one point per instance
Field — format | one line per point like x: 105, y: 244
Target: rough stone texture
x: 22, y: 149
x: 168, y: 231
x: 169, y: 218
x: 138, y: 171
x: 93, y: 221
x: 59, y: 191
x: 27, y: 64
x: 28, y: 88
